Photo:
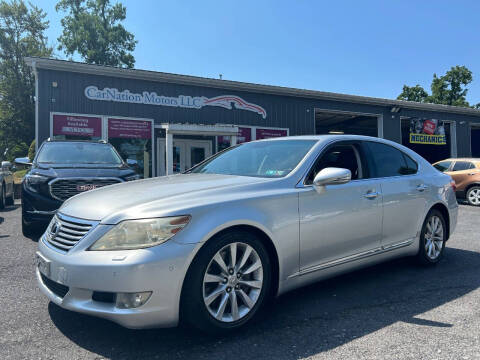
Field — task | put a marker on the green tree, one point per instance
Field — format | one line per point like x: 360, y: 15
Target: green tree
x: 413, y: 93
x: 449, y: 89
x: 93, y: 30
x: 31, y: 151
x: 22, y: 31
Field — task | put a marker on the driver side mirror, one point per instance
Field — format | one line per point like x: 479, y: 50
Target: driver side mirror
x: 23, y: 161
x: 332, y: 176
x: 6, y: 165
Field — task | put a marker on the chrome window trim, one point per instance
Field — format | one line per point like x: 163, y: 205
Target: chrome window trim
x: 301, y: 183
x: 51, y: 182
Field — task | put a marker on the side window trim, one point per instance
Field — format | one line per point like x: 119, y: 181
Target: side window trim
x: 405, y: 156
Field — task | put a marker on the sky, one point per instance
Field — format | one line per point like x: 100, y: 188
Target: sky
x: 360, y: 47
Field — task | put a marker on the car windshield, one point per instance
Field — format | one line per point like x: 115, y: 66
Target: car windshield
x: 271, y: 159
x: 442, y: 165
x: 78, y: 153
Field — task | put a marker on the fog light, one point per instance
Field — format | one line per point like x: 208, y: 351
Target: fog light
x: 132, y: 300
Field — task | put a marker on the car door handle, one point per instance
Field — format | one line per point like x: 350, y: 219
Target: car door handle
x: 471, y: 174
x: 371, y: 195
x: 422, y: 187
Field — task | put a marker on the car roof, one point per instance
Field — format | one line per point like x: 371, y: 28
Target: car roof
x: 326, y: 137
x: 102, y: 142
x: 475, y: 160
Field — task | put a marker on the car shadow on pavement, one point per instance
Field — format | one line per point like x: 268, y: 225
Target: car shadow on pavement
x: 9, y: 208
x: 301, y: 323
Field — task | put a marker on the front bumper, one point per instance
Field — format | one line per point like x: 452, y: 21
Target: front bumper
x: 37, y: 207
x: 160, y: 269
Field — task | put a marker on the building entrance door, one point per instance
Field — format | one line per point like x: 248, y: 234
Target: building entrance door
x: 186, y: 154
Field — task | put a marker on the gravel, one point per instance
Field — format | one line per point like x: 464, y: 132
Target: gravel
x: 395, y: 310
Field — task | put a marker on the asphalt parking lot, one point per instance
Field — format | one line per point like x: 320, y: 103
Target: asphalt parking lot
x: 393, y: 311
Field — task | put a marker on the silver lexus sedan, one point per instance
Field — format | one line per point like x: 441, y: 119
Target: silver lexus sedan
x: 213, y: 245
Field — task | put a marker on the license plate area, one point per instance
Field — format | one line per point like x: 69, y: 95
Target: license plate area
x: 43, y: 264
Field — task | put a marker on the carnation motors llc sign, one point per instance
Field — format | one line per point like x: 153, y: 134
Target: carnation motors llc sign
x: 182, y: 101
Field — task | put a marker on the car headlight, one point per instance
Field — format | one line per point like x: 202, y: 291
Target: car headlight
x: 32, y: 181
x: 132, y: 177
x: 139, y: 234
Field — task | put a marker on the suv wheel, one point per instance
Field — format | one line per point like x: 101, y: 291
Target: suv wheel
x: 432, y: 238
x: 29, y: 230
x: 10, y: 200
x: 228, y: 283
x: 3, y: 200
x: 473, y: 196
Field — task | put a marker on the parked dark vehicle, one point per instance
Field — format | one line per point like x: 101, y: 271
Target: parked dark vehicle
x: 62, y: 169
x: 6, y: 184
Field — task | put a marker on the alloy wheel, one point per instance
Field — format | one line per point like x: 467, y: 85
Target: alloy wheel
x: 434, y: 237
x: 233, y: 282
x: 474, y: 196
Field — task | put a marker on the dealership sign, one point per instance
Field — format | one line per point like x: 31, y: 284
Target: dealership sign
x: 182, y: 101
x: 76, y: 125
x: 129, y: 129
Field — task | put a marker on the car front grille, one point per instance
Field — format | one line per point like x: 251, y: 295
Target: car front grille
x: 63, y: 233
x: 63, y: 189
x: 58, y: 289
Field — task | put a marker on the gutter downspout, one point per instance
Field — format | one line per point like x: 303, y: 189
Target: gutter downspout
x: 34, y: 68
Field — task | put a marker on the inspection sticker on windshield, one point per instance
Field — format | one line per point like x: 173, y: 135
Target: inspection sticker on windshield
x: 274, y: 172
x: 43, y: 264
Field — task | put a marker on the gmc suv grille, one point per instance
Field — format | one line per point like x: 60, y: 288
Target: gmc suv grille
x: 64, y: 233
x: 63, y: 189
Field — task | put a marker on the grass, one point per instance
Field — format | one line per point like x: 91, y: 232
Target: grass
x: 18, y: 175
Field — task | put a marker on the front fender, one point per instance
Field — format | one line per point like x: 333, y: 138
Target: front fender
x: 275, y: 215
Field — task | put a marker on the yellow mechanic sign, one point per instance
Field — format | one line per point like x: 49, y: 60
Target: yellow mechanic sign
x: 428, y: 139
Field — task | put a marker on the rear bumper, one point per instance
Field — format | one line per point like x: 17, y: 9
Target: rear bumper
x: 453, y: 214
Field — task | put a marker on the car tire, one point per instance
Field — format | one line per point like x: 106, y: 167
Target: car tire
x: 29, y: 230
x: 473, y: 196
x: 3, y: 200
x: 10, y: 200
x: 432, y: 238
x: 212, y: 289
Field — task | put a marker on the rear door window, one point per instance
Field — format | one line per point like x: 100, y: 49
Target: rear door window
x: 462, y: 165
x: 386, y: 161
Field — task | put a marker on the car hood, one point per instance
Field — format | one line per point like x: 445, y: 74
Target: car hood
x: 138, y: 199
x: 82, y: 172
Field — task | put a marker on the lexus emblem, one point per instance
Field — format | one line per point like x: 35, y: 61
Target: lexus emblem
x: 55, y: 229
